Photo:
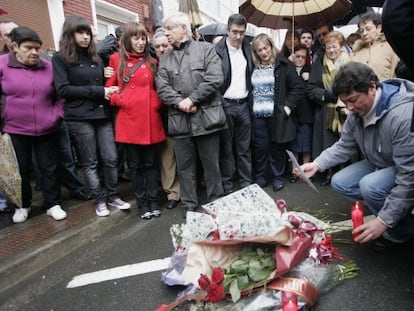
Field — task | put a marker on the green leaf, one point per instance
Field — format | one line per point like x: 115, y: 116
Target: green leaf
x: 255, y: 264
x: 239, y: 266
x: 228, y: 280
x: 242, y: 282
x: 260, y: 252
x: 234, y: 291
x: 257, y: 275
x: 268, y: 262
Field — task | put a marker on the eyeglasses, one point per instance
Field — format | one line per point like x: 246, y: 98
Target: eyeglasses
x: 170, y: 27
x: 301, y: 56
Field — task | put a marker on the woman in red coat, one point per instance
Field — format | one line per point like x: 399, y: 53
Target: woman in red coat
x: 138, y: 121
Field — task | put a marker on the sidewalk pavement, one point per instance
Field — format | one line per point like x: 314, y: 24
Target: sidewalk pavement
x: 28, y: 247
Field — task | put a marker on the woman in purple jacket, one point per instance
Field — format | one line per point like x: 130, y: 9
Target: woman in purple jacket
x: 31, y: 116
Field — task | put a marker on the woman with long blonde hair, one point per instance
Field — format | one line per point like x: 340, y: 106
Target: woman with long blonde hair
x: 277, y: 91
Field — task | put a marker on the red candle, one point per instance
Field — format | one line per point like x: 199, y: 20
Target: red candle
x: 290, y: 306
x: 289, y: 301
x: 357, y: 216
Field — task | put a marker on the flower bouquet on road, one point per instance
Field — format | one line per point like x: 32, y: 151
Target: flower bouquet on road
x: 243, y: 243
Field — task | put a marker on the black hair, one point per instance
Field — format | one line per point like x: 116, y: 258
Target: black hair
x: 67, y: 44
x: 236, y: 19
x: 307, y: 31
x: 354, y: 76
x: 22, y: 34
x: 301, y: 47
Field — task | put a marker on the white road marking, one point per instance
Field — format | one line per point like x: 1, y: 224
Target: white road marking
x: 119, y: 272
x: 158, y: 264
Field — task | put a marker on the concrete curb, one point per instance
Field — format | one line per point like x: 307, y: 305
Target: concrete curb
x: 20, y: 266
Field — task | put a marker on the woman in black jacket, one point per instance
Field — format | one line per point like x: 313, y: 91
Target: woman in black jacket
x: 79, y: 79
x: 277, y: 91
x: 304, y: 112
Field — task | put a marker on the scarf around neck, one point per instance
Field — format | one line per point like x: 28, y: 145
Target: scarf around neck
x: 330, y: 69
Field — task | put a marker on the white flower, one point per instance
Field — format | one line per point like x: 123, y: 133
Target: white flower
x: 313, y: 253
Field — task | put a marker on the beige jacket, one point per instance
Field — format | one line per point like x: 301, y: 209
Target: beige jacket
x: 379, y: 56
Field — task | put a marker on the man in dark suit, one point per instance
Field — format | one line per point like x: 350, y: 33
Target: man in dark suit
x: 236, y: 56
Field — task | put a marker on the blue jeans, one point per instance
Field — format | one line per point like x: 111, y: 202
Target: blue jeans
x: 362, y: 181
x: 67, y: 172
x: 90, y: 137
x: 3, y: 203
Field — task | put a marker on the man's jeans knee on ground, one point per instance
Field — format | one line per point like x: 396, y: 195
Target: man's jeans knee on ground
x: 362, y: 181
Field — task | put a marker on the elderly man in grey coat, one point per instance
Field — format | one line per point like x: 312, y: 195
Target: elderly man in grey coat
x: 188, y: 82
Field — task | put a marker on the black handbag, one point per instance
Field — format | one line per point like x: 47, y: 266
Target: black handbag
x: 178, y: 123
x: 213, y: 116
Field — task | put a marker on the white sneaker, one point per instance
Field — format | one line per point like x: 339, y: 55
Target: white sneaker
x: 20, y: 215
x: 56, y: 212
x: 102, y: 210
x: 119, y: 204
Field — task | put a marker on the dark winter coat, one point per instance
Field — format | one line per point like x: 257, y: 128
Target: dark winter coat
x: 193, y: 71
x: 107, y: 47
x: 288, y: 92
x: 222, y: 51
x: 304, y: 110
x: 398, y: 26
x: 82, y: 86
x: 322, y: 137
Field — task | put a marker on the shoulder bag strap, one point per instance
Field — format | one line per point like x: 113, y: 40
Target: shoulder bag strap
x: 129, y: 74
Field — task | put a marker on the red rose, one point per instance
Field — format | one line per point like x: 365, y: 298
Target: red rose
x: 162, y: 308
x: 203, y: 281
x: 217, y: 276
x: 216, y: 235
x: 215, y: 292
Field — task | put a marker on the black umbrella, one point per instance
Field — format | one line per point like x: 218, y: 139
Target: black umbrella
x: 209, y: 32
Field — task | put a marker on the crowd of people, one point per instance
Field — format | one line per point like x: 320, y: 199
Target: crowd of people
x: 175, y: 107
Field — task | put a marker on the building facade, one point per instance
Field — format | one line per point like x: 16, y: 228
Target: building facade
x: 47, y: 16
